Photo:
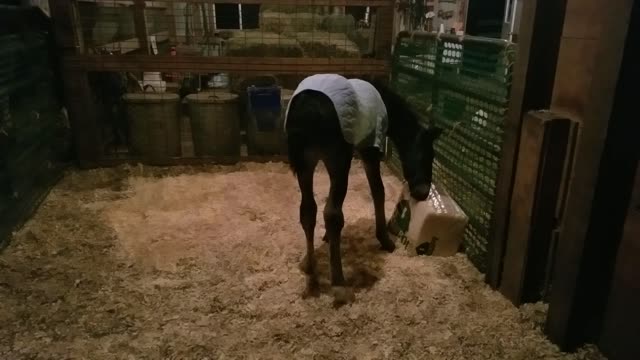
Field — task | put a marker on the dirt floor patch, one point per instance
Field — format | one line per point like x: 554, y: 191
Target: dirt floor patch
x: 203, y: 263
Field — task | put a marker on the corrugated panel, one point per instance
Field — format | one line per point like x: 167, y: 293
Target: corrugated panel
x: 462, y: 86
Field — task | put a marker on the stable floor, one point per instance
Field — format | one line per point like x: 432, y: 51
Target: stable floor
x: 204, y: 263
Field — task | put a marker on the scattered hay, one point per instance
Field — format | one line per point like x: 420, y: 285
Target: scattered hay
x: 203, y: 263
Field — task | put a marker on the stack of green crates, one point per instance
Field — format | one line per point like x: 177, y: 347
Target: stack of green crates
x: 462, y: 85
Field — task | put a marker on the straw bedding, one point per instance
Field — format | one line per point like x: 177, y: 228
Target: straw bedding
x: 203, y: 263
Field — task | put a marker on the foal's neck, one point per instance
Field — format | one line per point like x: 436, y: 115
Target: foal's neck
x: 403, y: 126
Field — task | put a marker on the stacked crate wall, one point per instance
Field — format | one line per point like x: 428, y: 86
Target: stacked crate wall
x: 34, y: 137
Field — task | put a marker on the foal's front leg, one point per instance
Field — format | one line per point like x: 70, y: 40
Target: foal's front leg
x: 371, y: 160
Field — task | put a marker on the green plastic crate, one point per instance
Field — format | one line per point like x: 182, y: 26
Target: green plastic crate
x: 461, y: 85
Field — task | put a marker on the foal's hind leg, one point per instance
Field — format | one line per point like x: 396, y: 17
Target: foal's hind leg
x: 308, y: 211
x: 338, y: 164
x: 371, y: 160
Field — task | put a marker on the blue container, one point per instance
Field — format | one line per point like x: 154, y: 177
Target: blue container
x: 264, y: 107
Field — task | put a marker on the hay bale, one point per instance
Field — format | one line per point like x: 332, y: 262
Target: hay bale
x: 289, y: 9
x: 339, y: 23
x: 361, y: 37
x: 325, y: 44
x: 257, y: 43
x: 280, y: 22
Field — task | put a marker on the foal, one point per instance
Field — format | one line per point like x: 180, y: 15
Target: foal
x: 316, y: 132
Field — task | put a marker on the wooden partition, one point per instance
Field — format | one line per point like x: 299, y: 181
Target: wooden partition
x: 292, y: 39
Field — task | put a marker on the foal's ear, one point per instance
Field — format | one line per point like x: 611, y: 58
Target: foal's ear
x: 434, y: 132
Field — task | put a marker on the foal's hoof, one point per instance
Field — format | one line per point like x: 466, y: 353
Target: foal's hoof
x: 312, y: 289
x: 343, y: 295
x: 388, y: 247
x: 386, y: 243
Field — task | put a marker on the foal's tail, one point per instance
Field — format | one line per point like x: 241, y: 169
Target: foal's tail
x: 312, y: 121
x: 296, y: 140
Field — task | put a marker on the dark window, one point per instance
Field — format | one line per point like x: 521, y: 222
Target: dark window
x: 228, y: 16
x: 358, y: 12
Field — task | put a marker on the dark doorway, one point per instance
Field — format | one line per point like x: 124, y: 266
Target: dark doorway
x: 358, y: 12
x: 621, y: 330
x: 485, y: 17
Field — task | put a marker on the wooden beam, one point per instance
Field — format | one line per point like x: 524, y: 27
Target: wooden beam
x: 77, y: 92
x: 384, y: 32
x: 223, y: 63
x: 594, y: 214
x: 82, y: 115
x: 63, y: 24
x: 173, y: 33
x: 545, y: 142
x: 533, y: 78
x: 374, y: 3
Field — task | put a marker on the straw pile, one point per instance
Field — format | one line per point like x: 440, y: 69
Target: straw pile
x: 338, y: 23
x: 279, y: 22
x: 290, y: 9
x: 326, y: 44
x: 262, y: 44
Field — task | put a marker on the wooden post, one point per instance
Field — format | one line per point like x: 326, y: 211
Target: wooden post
x: 622, y: 322
x: 172, y: 18
x: 140, y: 22
x: 384, y: 31
x: 533, y: 79
x: 546, y: 140
x: 63, y: 24
x: 590, y: 89
x: 77, y: 93
x: 82, y: 115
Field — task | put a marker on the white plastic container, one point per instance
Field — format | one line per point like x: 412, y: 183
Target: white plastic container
x: 155, y: 80
x: 431, y: 227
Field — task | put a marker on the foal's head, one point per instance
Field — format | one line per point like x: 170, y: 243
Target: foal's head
x: 415, y: 143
